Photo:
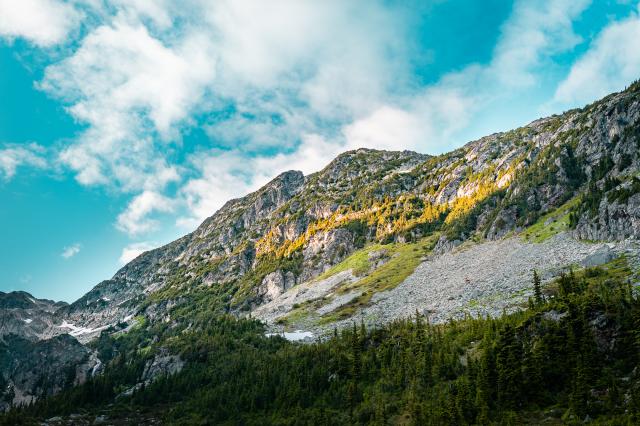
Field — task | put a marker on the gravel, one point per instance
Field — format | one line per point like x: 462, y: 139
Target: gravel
x: 485, y: 279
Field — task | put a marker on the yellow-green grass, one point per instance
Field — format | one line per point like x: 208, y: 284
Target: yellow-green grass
x: 617, y: 270
x: 358, y: 262
x: 294, y: 316
x: 551, y: 223
x: 404, y: 258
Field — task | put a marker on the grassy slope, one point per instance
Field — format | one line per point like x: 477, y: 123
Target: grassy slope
x: 403, y: 260
x: 400, y: 260
x: 551, y: 223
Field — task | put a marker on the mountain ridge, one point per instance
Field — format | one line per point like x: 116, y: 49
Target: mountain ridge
x: 280, y: 192
x: 371, y: 222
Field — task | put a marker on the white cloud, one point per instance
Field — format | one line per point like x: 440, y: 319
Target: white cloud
x: 138, y: 77
x: 533, y: 34
x: 386, y: 128
x: 42, y: 22
x: 305, y: 80
x: 427, y: 121
x: 129, y: 87
x: 226, y: 175
x: 70, y: 251
x: 13, y: 156
x: 135, y: 218
x: 134, y: 250
x: 611, y: 62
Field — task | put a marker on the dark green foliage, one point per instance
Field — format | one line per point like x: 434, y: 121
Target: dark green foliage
x: 464, y: 226
x: 572, y: 168
x: 537, y: 288
x: 625, y: 161
x: 359, y: 230
x: 473, y: 371
x: 604, y: 166
x: 623, y: 194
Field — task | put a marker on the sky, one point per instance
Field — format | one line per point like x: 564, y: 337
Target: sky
x: 125, y: 123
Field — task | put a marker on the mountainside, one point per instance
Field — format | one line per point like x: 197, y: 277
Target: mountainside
x: 373, y: 237
x: 23, y: 315
x: 296, y: 228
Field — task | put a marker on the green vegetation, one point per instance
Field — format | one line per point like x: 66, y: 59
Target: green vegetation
x: 403, y: 258
x: 358, y: 262
x: 572, y: 355
x: 552, y: 223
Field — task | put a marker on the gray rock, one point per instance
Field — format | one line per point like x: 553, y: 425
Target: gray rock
x: 600, y: 257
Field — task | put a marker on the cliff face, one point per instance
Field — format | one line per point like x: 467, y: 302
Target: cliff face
x: 23, y: 315
x: 31, y: 370
x: 297, y: 227
x: 335, y: 244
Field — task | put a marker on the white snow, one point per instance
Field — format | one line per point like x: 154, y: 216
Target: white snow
x: 124, y: 301
x: 28, y: 320
x: 77, y: 331
x: 294, y: 336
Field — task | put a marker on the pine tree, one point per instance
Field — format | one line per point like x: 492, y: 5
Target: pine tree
x: 537, y: 290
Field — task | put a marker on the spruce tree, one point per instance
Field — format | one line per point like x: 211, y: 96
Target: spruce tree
x: 537, y: 290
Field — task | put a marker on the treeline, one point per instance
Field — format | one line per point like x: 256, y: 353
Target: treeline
x: 573, y: 355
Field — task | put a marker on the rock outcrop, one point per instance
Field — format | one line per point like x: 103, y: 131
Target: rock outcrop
x: 266, y: 253
x: 30, y: 370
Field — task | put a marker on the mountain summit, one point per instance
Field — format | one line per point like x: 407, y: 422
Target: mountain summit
x: 374, y: 237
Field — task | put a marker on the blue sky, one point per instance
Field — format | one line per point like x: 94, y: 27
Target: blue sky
x: 125, y: 123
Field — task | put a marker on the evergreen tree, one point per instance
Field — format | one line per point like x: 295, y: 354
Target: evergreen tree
x: 537, y: 290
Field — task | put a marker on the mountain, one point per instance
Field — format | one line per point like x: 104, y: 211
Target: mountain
x: 26, y: 316
x: 580, y: 167
x: 372, y: 238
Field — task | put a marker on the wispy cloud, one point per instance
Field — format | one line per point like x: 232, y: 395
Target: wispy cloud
x: 427, y: 120
x: 288, y: 68
x: 135, y: 219
x: 611, y: 62
x: 13, y: 156
x: 134, y: 250
x: 70, y: 251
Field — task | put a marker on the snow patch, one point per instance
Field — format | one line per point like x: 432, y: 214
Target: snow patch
x: 28, y: 320
x: 295, y: 336
x: 78, y: 331
x: 124, y: 301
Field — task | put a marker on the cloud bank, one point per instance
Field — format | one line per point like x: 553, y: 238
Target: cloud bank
x: 273, y: 86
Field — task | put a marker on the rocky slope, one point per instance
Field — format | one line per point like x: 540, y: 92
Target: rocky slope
x: 23, y: 315
x: 297, y: 227
x: 378, y: 235
x: 31, y: 370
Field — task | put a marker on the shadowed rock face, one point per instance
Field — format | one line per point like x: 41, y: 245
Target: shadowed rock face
x: 30, y: 370
x: 23, y: 315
